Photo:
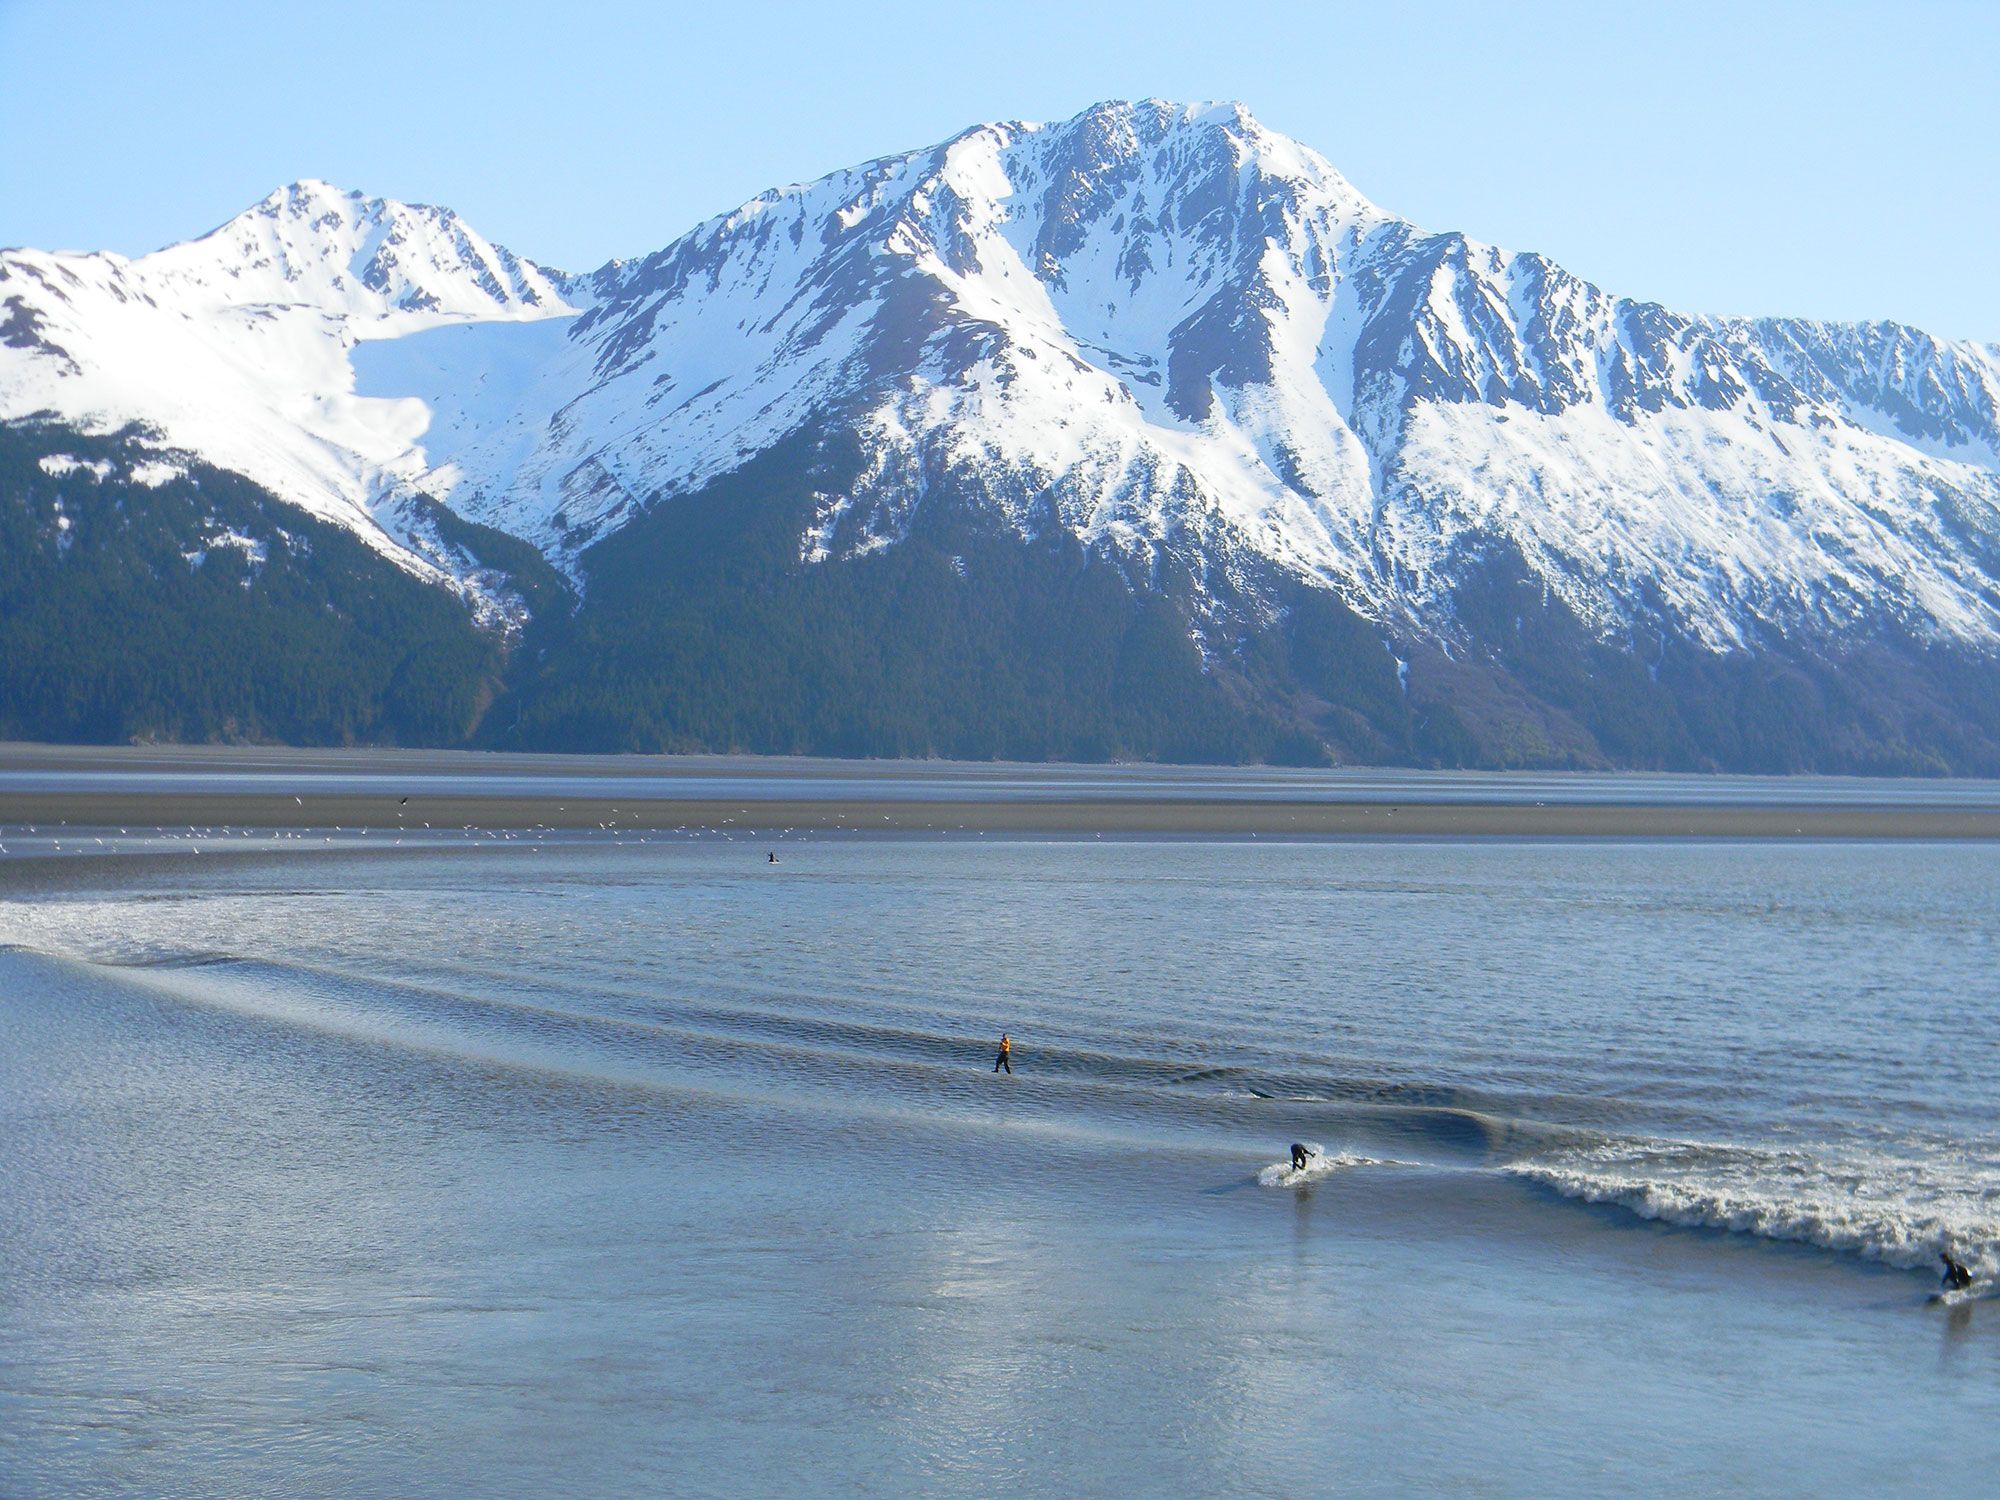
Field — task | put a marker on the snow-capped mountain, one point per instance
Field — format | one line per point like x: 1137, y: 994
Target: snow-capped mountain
x: 1152, y: 325
x: 236, y: 347
x: 1158, y: 327
x: 1165, y: 331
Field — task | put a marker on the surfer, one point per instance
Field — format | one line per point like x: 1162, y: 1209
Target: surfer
x: 1956, y: 1277
x: 1300, y: 1156
x: 1006, y: 1057
x: 774, y: 856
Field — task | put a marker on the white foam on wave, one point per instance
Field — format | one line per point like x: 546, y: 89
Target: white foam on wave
x: 1321, y: 1163
x: 1900, y: 1211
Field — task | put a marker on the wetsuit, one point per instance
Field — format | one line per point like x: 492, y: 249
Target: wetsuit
x: 1956, y: 1277
x: 1005, y: 1059
x: 1300, y: 1156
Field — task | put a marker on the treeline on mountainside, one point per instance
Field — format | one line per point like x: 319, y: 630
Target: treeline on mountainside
x: 128, y: 613
x: 702, y: 630
x: 528, y: 574
x: 1543, y: 690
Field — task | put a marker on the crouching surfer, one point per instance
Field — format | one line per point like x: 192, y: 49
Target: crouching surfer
x: 1956, y: 1277
x: 1300, y: 1157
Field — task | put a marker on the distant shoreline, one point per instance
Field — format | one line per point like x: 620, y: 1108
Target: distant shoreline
x: 179, y: 787
x: 1161, y: 815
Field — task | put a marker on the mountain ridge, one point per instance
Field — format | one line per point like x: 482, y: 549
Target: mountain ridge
x: 1351, y: 452
x: 1178, y: 340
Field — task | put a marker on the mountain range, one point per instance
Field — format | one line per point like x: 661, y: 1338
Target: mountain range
x: 1143, y: 434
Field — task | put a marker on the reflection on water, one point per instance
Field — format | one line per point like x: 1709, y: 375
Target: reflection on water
x: 618, y: 1169
x: 25, y: 769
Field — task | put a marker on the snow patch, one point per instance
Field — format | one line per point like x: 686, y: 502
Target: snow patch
x: 59, y: 465
x: 154, y: 472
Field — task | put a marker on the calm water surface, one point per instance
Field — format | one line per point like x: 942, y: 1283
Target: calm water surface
x: 504, y: 1166
x: 213, y: 770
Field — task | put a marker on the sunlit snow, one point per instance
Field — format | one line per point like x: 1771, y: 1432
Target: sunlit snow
x: 1165, y: 327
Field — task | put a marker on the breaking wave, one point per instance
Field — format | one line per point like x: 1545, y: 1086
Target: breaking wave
x: 1895, y: 1200
x: 1320, y: 1163
x: 1900, y: 1211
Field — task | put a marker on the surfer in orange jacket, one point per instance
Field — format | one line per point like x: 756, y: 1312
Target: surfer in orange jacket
x: 1005, y: 1059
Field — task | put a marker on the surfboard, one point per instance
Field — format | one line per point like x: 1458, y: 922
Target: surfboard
x: 1958, y: 1296
x: 1284, y: 1174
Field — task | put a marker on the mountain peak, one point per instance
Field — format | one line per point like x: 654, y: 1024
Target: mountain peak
x: 307, y: 193
x: 341, y: 250
x: 1163, y: 327
x: 1157, y: 116
x: 1204, y: 140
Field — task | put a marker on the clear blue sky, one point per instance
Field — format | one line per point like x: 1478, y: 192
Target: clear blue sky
x: 1825, y: 159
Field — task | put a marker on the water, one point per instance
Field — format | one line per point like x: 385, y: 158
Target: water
x: 177, y: 771
x: 627, y: 1167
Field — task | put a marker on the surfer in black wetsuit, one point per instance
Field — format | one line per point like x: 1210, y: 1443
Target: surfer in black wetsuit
x: 1956, y: 1277
x: 1300, y: 1156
